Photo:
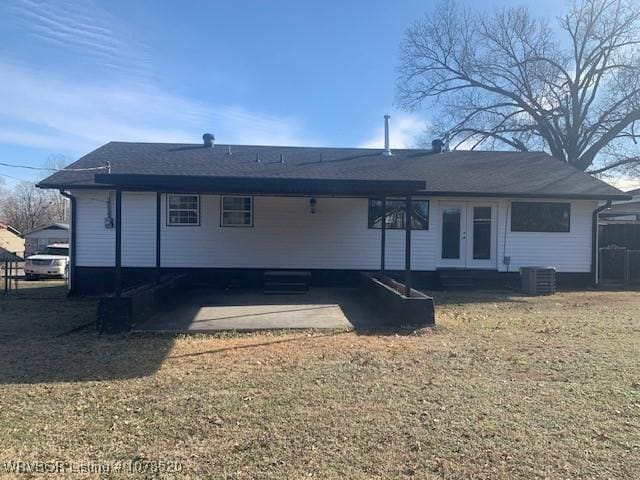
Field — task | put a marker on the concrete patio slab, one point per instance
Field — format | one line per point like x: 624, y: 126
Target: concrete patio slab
x: 323, y: 308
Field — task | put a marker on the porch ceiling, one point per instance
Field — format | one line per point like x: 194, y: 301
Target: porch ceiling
x: 252, y: 185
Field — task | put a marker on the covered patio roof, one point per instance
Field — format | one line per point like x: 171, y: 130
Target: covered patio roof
x: 259, y: 185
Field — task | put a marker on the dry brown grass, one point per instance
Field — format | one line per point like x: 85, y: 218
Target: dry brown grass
x: 505, y: 387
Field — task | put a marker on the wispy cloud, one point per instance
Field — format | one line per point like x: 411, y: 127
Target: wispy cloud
x: 405, y: 131
x: 56, y: 113
x: 64, y: 113
x: 84, y: 27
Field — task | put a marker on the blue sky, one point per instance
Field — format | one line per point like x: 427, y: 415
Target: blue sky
x: 76, y: 74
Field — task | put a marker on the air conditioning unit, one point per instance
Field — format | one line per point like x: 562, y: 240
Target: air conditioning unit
x: 538, y: 280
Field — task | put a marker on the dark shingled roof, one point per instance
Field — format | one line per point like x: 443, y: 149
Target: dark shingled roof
x: 531, y: 174
x: 51, y: 226
x: 7, y: 256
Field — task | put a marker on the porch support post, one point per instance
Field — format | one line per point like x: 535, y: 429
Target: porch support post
x: 118, y: 275
x: 407, y: 247
x: 383, y: 234
x: 158, y: 251
x: 71, y: 275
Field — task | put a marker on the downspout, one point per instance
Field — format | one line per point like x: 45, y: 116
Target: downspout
x: 72, y: 243
x: 594, y: 241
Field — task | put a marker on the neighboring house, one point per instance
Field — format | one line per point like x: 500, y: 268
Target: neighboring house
x: 619, y: 225
x: 11, y: 240
x: 624, y: 210
x: 37, y: 239
x: 232, y: 211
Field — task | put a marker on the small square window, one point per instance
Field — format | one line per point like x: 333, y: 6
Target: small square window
x: 236, y: 212
x: 183, y: 210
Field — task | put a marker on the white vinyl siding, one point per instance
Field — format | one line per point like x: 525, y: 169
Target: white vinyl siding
x: 94, y: 243
x: 286, y: 234
x: 138, y: 229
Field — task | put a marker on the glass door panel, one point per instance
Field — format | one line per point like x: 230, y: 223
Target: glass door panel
x: 451, y: 222
x: 481, y: 233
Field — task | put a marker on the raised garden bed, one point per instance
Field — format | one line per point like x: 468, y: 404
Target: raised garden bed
x: 119, y: 314
x: 398, y: 309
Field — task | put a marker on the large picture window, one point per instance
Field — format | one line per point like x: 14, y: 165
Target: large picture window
x: 540, y: 217
x: 394, y: 217
x: 236, y: 212
x: 183, y: 210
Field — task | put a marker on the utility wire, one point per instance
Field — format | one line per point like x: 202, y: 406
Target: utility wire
x: 14, y: 178
x: 88, y: 169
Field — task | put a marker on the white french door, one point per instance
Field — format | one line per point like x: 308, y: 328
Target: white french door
x: 468, y: 235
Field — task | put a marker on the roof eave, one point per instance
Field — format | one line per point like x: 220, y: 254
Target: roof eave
x: 564, y: 196
x: 261, y: 185
x: 149, y: 187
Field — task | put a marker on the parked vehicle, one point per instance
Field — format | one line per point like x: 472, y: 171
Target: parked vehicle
x: 53, y: 261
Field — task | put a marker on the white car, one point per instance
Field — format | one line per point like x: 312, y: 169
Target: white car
x: 53, y: 261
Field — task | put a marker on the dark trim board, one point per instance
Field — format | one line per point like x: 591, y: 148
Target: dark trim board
x: 256, y: 185
x: 349, y: 194
x: 96, y: 280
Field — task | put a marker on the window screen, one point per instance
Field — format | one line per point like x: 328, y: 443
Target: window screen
x: 236, y: 212
x: 183, y: 210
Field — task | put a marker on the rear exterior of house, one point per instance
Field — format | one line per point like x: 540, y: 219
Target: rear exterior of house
x: 283, y: 233
x: 227, y: 213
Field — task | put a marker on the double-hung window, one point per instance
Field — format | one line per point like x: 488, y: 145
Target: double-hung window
x: 236, y: 211
x: 183, y: 210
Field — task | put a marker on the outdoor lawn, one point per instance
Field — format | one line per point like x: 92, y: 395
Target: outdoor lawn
x: 504, y: 387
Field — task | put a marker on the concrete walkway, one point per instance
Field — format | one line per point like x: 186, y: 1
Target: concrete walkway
x: 327, y: 308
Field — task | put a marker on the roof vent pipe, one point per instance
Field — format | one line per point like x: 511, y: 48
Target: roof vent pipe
x: 387, y: 150
x: 208, y: 140
x: 436, y: 145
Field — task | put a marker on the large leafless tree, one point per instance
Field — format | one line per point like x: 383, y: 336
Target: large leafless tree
x: 509, y: 80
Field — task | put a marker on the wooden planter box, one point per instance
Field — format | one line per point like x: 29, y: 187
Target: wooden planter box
x: 399, y: 310
x: 118, y: 315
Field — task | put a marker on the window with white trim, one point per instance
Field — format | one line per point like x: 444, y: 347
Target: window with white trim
x: 183, y: 210
x: 236, y: 211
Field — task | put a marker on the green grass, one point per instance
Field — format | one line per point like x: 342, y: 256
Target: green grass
x: 504, y: 387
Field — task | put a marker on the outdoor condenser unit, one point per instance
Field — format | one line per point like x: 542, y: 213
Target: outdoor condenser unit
x: 538, y: 280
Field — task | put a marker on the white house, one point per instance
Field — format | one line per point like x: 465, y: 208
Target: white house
x: 37, y: 239
x: 229, y: 212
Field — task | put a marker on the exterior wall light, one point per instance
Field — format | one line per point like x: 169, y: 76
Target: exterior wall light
x: 312, y: 205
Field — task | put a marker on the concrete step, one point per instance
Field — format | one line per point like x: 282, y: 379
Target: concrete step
x: 455, y: 279
x: 285, y: 288
x: 286, y: 281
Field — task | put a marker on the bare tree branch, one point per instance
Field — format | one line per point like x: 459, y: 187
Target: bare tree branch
x: 505, y: 77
